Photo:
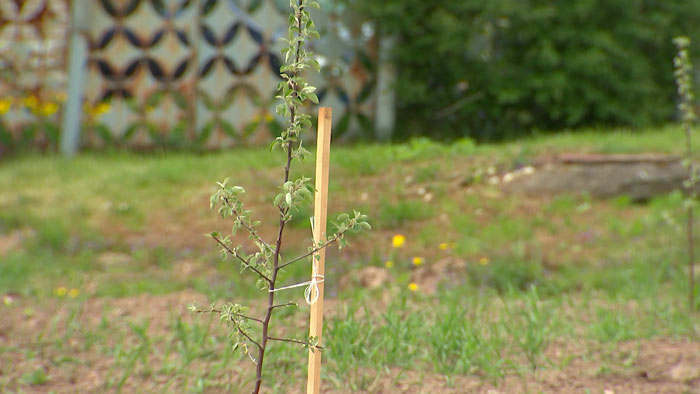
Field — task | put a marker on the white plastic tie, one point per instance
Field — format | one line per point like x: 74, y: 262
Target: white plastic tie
x: 311, y: 293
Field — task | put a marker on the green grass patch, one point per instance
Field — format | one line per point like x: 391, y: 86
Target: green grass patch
x: 537, y: 272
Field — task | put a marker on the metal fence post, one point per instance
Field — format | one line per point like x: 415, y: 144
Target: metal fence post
x: 385, y: 116
x: 78, y: 50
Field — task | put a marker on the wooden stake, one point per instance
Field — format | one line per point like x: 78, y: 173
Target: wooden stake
x: 323, y: 154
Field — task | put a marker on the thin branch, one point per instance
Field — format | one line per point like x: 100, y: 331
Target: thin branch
x: 246, y: 317
x: 249, y: 338
x: 247, y: 227
x: 249, y: 318
x: 313, y: 251
x: 238, y: 328
x: 250, y: 356
x: 233, y: 313
x: 287, y: 340
x: 283, y: 305
x: 244, y: 261
x: 294, y: 341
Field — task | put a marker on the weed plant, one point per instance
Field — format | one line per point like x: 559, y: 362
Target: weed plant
x: 684, y: 81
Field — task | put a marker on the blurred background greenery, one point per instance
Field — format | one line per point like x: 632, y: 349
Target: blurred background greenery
x: 503, y: 68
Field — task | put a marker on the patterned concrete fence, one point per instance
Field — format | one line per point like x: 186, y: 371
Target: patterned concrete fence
x: 174, y: 72
x: 32, y: 69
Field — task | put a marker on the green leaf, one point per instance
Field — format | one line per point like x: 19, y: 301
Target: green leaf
x: 313, y: 97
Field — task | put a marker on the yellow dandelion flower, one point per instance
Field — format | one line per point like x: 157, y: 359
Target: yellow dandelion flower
x: 444, y: 246
x: 103, y: 108
x: 398, y: 240
x: 413, y: 287
x: 31, y: 102
x: 72, y: 293
x: 389, y: 264
x: 417, y: 261
x: 48, y: 108
x: 60, y: 291
x: 484, y: 261
x: 5, y: 106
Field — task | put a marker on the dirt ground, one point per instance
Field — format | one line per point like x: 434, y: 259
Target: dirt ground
x: 656, y: 366
x: 79, y: 353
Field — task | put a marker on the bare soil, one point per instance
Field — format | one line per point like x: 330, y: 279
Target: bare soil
x: 29, y: 340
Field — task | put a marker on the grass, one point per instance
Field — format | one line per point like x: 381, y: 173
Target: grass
x: 35, y: 378
x: 398, y: 214
x: 535, y: 273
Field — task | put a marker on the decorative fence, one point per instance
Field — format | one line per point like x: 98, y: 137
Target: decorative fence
x: 174, y: 72
x: 32, y: 70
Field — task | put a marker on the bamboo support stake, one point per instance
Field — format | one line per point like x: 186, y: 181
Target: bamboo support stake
x: 323, y: 154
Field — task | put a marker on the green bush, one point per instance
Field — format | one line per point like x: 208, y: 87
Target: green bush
x: 500, y: 68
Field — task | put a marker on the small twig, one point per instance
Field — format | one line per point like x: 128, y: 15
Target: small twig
x: 249, y: 338
x: 247, y: 227
x: 283, y: 305
x: 313, y: 251
x: 247, y: 317
x: 233, y: 313
x: 294, y: 341
x: 250, y: 356
x: 244, y: 261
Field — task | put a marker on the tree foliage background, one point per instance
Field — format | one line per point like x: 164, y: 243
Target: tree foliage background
x: 501, y: 68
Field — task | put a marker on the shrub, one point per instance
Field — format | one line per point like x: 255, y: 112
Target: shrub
x: 495, y: 69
